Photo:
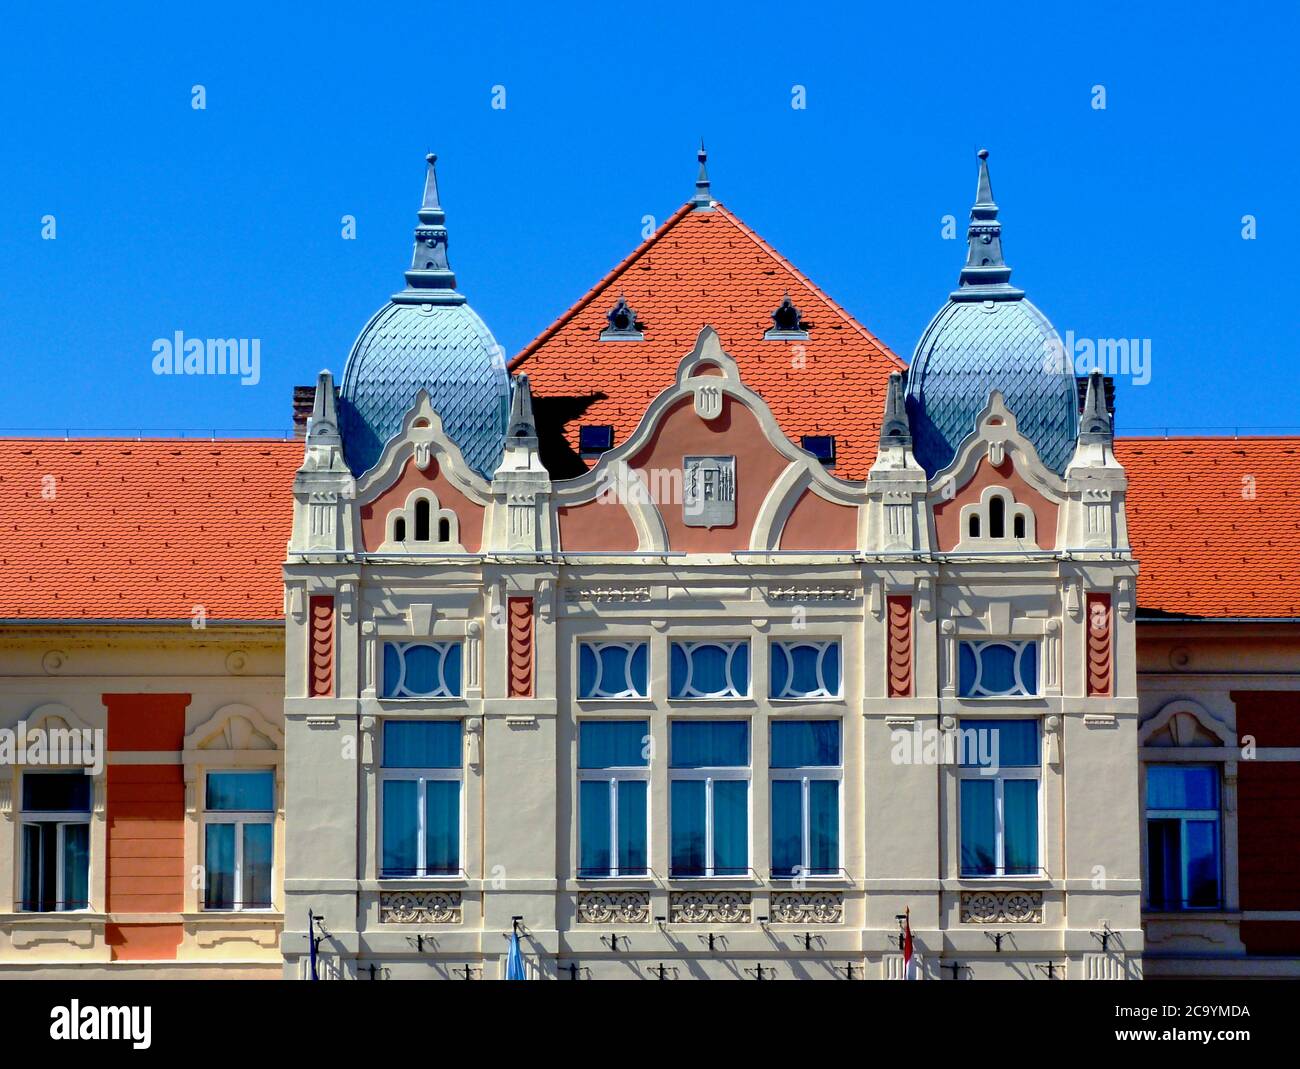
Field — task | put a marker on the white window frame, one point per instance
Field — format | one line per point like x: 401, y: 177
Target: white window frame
x: 614, y: 776
x: 62, y: 820
x: 999, y: 778
x: 822, y: 645
x: 422, y: 776
x: 239, y: 818
x: 978, y: 645
x: 630, y: 645
x: 1183, y: 816
x: 442, y: 691
x: 710, y: 775
x: 730, y: 646
x: 805, y: 774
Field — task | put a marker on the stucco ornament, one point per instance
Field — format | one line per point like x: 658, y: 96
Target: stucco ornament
x: 607, y: 907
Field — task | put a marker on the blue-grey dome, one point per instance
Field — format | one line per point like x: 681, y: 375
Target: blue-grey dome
x: 989, y: 337
x: 445, y: 349
x: 427, y: 337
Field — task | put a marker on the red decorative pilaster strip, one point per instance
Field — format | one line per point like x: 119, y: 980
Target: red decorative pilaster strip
x: 899, y: 656
x: 1101, y: 655
x: 320, y: 666
x: 520, y: 613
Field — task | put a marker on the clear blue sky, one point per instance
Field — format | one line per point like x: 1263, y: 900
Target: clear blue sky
x: 225, y: 222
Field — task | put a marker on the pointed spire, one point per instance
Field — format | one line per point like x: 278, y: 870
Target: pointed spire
x: 703, y: 199
x: 523, y: 429
x: 986, y: 277
x: 324, y: 408
x: 1095, y: 422
x: 430, y: 279
x: 895, y: 430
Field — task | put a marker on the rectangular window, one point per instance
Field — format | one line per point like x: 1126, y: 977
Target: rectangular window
x: 1000, y: 773
x: 709, y: 798
x: 805, y: 669
x: 55, y: 837
x: 997, y: 669
x: 613, y: 783
x: 709, y: 670
x: 420, y: 795
x: 807, y: 771
x: 1184, y: 870
x: 238, y: 839
x: 422, y: 670
x: 613, y: 670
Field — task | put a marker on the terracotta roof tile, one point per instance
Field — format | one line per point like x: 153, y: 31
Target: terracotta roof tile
x: 144, y: 529
x: 1215, y: 524
x: 708, y: 268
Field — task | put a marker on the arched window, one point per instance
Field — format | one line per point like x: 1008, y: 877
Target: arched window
x: 444, y: 530
x: 1018, y: 526
x: 422, y: 520
x: 974, y: 526
x: 399, y: 529
x: 997, y: 517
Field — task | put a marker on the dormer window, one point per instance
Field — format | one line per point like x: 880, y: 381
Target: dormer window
x: 595, y: 438
x: 822, y: 446
x: 623, y: 323
x: 787, y: 321
x: 996, y: 522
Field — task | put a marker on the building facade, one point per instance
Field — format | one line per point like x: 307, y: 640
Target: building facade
x: 711, y: 642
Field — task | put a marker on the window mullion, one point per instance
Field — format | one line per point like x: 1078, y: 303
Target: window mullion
x: 708, y: 826
x: 805, y: 825
x: 421, y: 861
x: 613, y: 826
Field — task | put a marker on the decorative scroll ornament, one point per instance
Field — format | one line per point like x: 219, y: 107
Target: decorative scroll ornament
x: 419, y: 907
x: 1002, y: 907
x: 807, y: 907
x: 709, y: 907
x: 614, y: 907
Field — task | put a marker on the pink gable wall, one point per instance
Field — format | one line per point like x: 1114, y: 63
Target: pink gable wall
x: 815, y: 523
x: 598, y: 525
x: 469, y: 514
x: 947, y: 514
x: 736, y: 432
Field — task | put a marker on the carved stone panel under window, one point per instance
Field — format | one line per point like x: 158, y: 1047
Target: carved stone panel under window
x: 614, y: 907
x: 1002, y: 907
x: 419, y: 907
x: 709, y: 907
x: 807, y: 907
x: 709, y: 491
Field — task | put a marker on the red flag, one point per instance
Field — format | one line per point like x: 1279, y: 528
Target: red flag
x: 910, y: 970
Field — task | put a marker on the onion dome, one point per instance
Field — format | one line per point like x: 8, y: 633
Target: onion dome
x: 426, y: 338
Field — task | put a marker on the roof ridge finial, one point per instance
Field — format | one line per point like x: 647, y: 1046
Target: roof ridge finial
x: 986, y: 276
x: 430, y: 279
x: 703, y: 199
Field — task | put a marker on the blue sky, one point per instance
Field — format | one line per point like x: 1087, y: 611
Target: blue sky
x: 226, y: 222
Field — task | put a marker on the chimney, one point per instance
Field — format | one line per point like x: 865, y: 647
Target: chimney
x: 303, y: 396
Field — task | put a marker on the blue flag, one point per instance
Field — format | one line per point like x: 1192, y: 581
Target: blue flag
x: 515, y: 960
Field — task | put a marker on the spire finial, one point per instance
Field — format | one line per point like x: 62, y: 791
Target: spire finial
x: 522, y: 427
x: 1095, y: 422
x: 430, y: 279
x: 703, y: 199
x: 895, y: 430
x: 986, y: 277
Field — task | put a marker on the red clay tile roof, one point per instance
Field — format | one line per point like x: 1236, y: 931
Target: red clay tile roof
x: 708, y: 268
x: 144, y: 529
x: 1215, y: 524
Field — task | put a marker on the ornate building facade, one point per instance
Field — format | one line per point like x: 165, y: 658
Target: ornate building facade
x: 708, y: 639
